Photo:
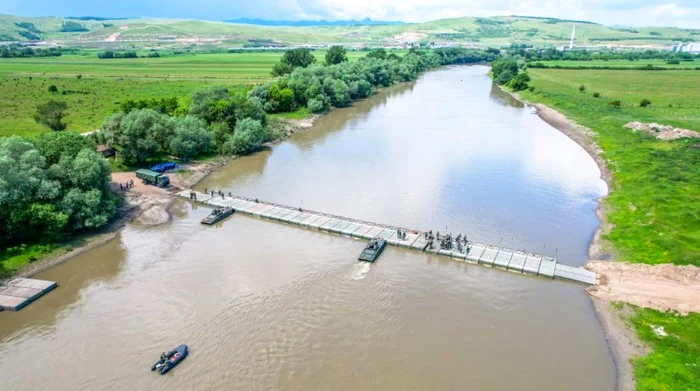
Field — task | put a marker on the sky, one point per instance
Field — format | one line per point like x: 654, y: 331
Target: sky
x: 678, y: 13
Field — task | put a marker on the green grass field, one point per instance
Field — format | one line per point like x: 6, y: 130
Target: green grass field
x: 106, y: 82
x: 654, y: 200
x: 674, y: 360
x: 623, y: 64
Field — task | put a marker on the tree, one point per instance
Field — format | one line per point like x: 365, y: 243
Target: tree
x: 206, y: 103
x: 55, y: 145
x: 138, y: 135
x: 504, y: 70
x: 616, y: 104
x: 53, y: 89
x: 51, y: 114
x: 298, y: 58
x: 248, y: 137
x: 281, y: 100
x: 582, y: 88
x: 317, y: 105
x: 519, y: 82
x: 645, y: 103
x: 596, y: 94
x: 38, y: 201
x: 336, y: 55
x: 78, y: 76
x: 379, y: 54
x: 281, y: 69
x: 191, y: 137
x: 338, y: 91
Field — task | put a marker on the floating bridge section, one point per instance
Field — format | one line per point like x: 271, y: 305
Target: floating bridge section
x: 472, y: 252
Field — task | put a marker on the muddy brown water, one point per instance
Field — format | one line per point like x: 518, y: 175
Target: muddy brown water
x: 266, y: 306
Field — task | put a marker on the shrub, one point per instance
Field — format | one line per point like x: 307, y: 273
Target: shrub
x: 645, y: 103
x: 616, y: 104
x: 596, y: 94
x: 582, y: 88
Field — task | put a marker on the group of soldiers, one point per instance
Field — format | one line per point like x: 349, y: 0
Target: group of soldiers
x: 446, y: 241
x: 127, y: 185
x: 401, y: 234
x: 217, y: 192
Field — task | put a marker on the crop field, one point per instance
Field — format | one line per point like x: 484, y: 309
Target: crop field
x: 623, y: 64
x: 104, y: 83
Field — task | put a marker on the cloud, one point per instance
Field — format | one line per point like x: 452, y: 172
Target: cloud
x: 680, y: 13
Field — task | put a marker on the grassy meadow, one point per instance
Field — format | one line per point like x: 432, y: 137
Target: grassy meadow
x: 674, y: 360
x: 654, y: 200
x: 104, y: 83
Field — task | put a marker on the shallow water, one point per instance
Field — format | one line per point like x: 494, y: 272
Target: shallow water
x: 269, y: 306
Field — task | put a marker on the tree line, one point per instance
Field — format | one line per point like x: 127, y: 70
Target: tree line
x: 552, y: 54
x: 52, y: 186
x: 117, y: 54
x: 17, y: 50
x: 304, y: 84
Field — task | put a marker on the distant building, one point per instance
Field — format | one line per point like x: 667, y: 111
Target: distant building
x: 690, y: 47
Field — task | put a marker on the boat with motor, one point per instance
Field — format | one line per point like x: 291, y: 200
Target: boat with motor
x: 217, y: 215
x: 172, y: 358
x: 372, y: 250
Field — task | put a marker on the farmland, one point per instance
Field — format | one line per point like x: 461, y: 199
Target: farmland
x: 621, y: 64
x: 104, y: 83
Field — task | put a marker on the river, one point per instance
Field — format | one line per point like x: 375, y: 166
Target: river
x: 267, y: 306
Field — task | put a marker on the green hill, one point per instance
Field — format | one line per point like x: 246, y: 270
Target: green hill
x: 466, y: 31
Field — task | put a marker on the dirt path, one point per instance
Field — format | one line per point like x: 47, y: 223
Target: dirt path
x: 114, y: 36
x: 662, y: 287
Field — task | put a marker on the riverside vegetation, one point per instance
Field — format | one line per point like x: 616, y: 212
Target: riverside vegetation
x: 216, y: 119
x: 654, y: 200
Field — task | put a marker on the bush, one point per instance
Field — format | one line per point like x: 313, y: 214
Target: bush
x: 672, y: 62
x: 53, y: 89
x: 248, y: 137
x: 582, y: 88
x: 645, y: 103
x: 616, y: 104
x: 596, y: 94
x: 519, y: 82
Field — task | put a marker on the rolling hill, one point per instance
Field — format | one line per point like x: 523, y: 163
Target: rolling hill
x: 502, y: 30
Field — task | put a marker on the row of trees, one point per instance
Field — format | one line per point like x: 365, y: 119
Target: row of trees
x: 302, y: 83
x: 113, y: 54
x: 51, y: 186
x: 17, y: 50
x: 216, y: 120
x: 551, y: 54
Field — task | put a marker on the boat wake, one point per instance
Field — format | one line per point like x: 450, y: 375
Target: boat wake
x: 360, y: 271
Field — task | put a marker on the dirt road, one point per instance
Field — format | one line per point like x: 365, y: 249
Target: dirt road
x: 662, y: 287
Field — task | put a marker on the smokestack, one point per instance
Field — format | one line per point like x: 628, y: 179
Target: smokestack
x: 573, y: 35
